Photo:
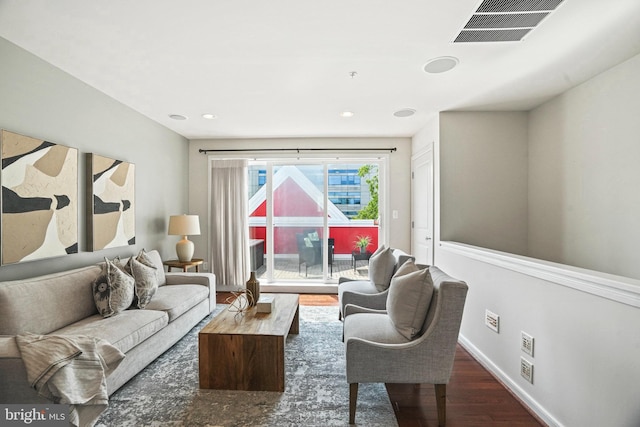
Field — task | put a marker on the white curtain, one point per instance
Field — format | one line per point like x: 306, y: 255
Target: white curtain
x: 229, y: 222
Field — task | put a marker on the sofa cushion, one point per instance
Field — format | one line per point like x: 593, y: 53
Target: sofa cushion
x: 146, y: 281
x: 124, y: 331
x: 409, y: 297
x: 177, y: 299
x: 112, y: 289
x: 381, y: 267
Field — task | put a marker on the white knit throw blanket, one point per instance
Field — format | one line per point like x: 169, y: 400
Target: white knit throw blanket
x: 70, y: 370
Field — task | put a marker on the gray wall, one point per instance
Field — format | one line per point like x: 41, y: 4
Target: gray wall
x: 558, y: 183
x: 584, y: 174
x: 483, y: 179
x: 39, y: 100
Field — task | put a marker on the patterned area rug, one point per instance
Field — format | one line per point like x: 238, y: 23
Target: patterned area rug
x: 166, y: 393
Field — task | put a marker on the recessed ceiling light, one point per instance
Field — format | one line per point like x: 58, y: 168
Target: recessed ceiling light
x: 347, y: 114
x: 440, y: 64
x: 405, y: 112
x: 209, y: 116
x: 178, y: 117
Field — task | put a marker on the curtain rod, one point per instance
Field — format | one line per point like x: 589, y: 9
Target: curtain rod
x: 298, y: 150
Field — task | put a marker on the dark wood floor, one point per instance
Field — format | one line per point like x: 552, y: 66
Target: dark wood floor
x: 474, y: 397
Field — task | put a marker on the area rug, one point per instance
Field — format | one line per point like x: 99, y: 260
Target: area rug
x: 166, y: 393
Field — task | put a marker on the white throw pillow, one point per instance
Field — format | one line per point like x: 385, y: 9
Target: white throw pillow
x: 381, y: 266
x: 409, y: 298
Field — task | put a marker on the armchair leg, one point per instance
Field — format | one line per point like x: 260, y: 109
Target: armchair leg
x: 353, y: 397
x: 441, y: 403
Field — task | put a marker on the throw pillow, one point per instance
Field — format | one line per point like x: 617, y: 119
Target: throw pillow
x: 314, y: 237
x: 146, y: 282
x: 381, y: 266
x: 146, y: 259
x: 409, y: 298
x: 112, y: 290
x: 308, y: 243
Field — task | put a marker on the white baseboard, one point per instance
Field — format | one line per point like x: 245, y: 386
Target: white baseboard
x: 524, y: 397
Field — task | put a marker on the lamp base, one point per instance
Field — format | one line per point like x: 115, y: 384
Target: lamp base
x: 184, y: 249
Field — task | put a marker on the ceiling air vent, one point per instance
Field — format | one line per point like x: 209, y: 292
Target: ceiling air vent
x: 505, y: 20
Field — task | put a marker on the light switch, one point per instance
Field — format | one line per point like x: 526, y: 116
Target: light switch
x: 394, y: 213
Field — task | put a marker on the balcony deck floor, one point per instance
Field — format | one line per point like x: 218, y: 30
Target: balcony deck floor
x: 288, y: 269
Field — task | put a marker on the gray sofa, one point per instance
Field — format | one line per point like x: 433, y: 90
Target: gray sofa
x: 63, y: 304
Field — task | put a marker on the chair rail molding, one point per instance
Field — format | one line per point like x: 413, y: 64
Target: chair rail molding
x: 617, y: 288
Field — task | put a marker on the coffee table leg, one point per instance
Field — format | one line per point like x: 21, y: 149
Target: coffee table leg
x: 295, y: 324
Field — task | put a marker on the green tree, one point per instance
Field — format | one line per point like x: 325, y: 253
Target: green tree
x: 370, y: 175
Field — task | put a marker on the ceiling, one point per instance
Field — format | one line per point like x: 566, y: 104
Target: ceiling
x: 282, y: 68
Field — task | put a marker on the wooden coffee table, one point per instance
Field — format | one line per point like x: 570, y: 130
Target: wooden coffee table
x: 247, y: 352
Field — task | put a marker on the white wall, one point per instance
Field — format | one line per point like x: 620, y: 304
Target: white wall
x: 587, y: 348
x: 584, y: 174
x: 39, y: 100
x: 582, y: 188
x: 483, y: 179
x: 399, y: 185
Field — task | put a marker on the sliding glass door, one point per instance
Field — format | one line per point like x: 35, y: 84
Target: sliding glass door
x: 305, y: 217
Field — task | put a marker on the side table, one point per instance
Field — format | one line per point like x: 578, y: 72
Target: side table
x: 184, y: 265
x: 359, y: 256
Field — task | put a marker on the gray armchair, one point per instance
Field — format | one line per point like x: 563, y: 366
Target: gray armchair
x: 385, y: 346
x: 367, y: 293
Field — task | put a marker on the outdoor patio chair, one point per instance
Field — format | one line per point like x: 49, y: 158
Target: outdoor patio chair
x: 306, y: 253
x: 306, y: 245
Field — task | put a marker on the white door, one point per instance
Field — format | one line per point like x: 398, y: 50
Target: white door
x: 422, y: 207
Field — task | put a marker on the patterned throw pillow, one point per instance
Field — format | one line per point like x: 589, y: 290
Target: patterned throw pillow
x: 112, y: 290
x: 410, y: 295
x: 146, y: 282
x: 144, y: 258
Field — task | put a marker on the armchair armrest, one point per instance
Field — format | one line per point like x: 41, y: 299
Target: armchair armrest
x: 376, y: 301
x: 353, y: 309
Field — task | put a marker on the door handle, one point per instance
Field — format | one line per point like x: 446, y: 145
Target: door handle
x: 427, y: 238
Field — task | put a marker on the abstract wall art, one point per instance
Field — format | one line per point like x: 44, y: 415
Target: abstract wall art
x: 111, y: 220
x: 39, y: 199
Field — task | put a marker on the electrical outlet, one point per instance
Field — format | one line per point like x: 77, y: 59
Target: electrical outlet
x: 205, y: 266
x: 526, y: 343
x: 526, y: 369
x: 492, y: 321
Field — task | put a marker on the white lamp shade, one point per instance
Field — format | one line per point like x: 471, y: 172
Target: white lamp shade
x: 184, y: 225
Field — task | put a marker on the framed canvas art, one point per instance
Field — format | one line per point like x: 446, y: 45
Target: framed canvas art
x: 39, y: 199
x: 111, y: 220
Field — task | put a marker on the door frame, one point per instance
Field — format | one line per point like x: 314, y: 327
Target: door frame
x: 423, y: 156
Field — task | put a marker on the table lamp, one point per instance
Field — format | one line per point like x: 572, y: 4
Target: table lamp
x: 184, y: 225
